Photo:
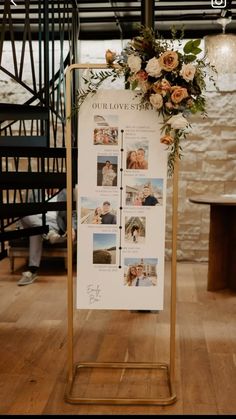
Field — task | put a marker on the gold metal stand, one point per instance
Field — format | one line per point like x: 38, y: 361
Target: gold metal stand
x: 75, y: 368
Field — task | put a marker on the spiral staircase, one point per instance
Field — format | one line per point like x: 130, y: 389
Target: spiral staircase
x: 43, y: 42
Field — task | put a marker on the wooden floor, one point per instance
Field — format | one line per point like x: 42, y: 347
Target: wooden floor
x: 33, y: 346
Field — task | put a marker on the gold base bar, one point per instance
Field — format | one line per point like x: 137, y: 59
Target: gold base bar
x: 163, y: 401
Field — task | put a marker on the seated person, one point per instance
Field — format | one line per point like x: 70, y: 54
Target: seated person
x: 56, y: 220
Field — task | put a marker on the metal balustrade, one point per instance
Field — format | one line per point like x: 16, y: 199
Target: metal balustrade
x: 43, y: 37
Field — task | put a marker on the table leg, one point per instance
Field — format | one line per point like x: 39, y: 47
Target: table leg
x: 222, y: 248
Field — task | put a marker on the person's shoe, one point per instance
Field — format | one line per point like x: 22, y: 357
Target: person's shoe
x: 27, y: 278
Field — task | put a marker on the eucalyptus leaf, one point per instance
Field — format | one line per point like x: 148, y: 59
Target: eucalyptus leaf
x: 196, y: 50
x: 188, y: 47
x: 196, y: 42
x: 189, y: 58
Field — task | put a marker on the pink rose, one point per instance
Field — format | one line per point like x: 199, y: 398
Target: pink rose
x: 179, y: 93
x: 141, y: 75
x: 169, y: 60
x: 110, y: 56
x: 167, y: 139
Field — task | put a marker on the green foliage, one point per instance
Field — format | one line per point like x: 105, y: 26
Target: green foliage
x: 189, y: 58
x: 93, y: 83
x: 192, y: 47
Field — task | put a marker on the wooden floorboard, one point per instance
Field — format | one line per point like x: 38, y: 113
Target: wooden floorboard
x: 33, y: 347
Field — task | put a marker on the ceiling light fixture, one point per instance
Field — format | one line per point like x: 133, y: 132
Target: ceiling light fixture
x: 221, y: 52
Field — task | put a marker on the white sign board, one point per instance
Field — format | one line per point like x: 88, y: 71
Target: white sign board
x: 122, y: 170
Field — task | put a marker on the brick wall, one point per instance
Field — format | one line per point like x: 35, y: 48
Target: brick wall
x: 208, y: 165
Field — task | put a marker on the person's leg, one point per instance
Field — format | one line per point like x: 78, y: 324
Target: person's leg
x: 35, y: 250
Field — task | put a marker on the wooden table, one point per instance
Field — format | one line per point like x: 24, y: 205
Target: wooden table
x: 222, y: 240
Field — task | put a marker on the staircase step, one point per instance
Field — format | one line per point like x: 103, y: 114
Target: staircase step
x: 29, y: 208
x: 32, y: 180
x: 23, y: 141
x: 23, y: 232
x: 18, y: 151
x: 16, y: 112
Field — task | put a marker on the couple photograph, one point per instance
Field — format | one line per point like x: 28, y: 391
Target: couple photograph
x: 94, y: 212
x: 140, y: 272
x: 107, y: 170
x: 137, y: 156
x: 144, y: 192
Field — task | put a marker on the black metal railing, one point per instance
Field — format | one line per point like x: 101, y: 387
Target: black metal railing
x: 33, y: 114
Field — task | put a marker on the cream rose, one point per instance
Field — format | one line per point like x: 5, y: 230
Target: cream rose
x: 153, y: 67
x: 156, y: 100
x: 134, y: 63
x: 178, y: 122
x: 179, y: 93
x: 187, y: 72
x: 169, y: 60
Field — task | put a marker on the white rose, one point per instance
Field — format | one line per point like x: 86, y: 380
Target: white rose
x: 134, y: 63
x: 156, y: 100
x: 153, y: 67
x: 178, y: 122
x: 187, y: 72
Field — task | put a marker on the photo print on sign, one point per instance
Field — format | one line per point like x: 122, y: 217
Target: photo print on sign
x: 107, y: 167
x: 98, y: 211
x: 104, y: 248
x: 144, y: 192
x: 135, y: 230
x: 137, y: 155
x: 105, y: 130
x: 140, y: 272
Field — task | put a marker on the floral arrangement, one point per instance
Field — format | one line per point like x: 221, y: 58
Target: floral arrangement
x: 171, y: 81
